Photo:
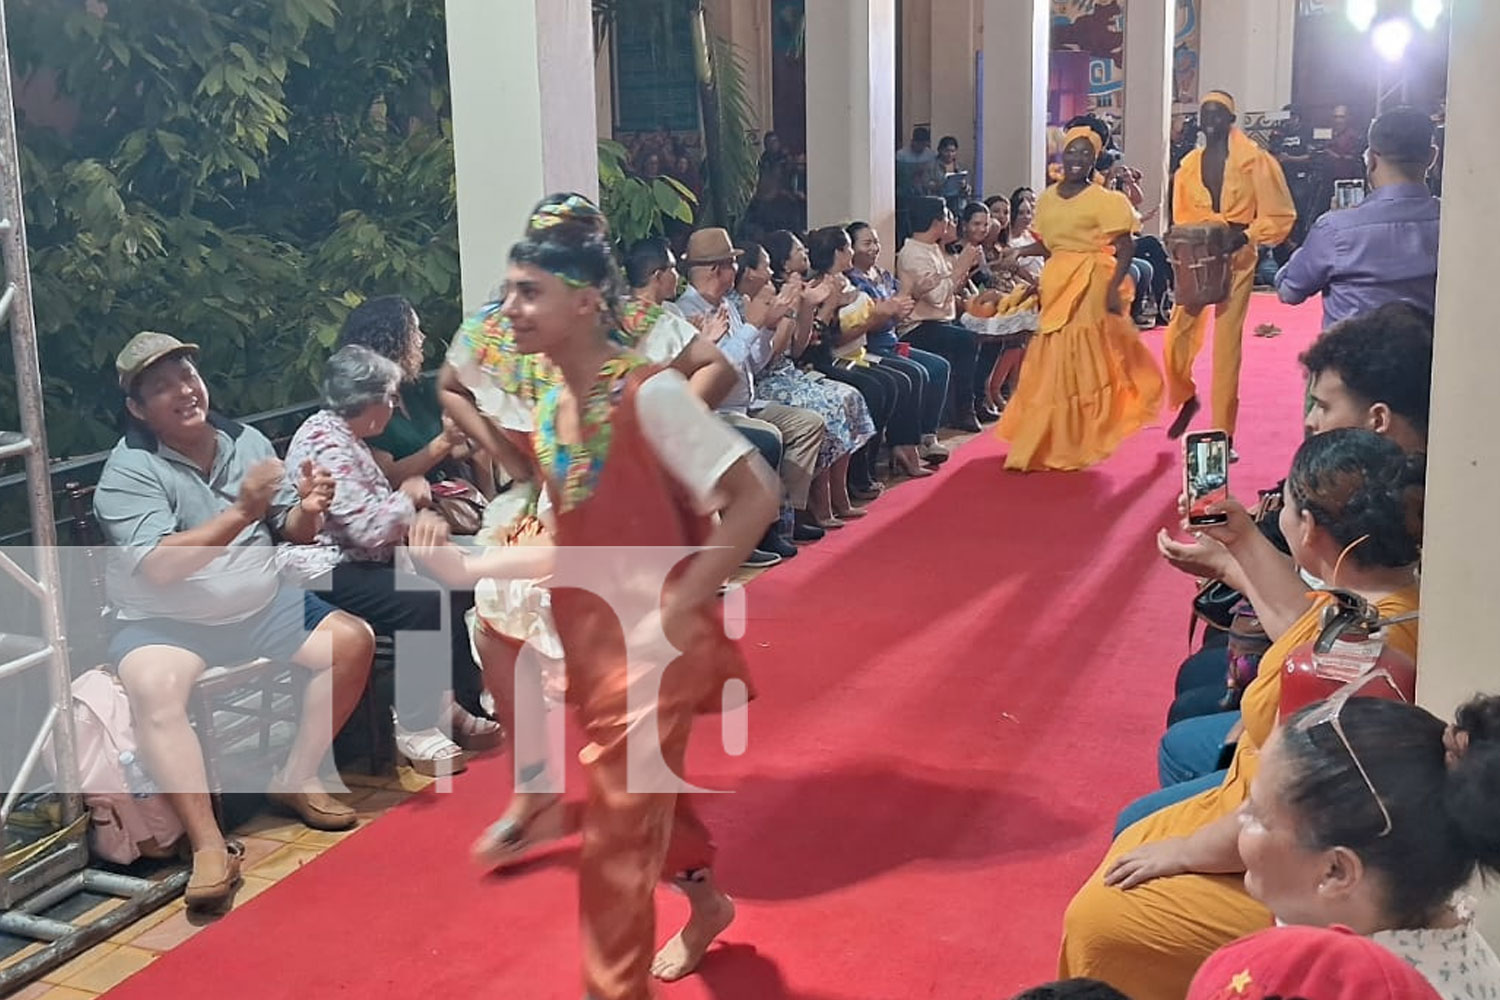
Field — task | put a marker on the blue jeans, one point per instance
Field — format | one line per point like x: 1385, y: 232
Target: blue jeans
x: 1191, y: 748
x: 1202, y: 682
x: 1159, y: 800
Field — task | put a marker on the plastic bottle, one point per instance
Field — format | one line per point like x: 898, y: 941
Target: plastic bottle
x: 136, y: 779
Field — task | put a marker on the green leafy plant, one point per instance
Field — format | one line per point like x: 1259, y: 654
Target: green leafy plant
x: 237, y: 172
x: 638, y: 207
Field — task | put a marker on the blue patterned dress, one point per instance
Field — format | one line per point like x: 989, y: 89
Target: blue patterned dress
x: 842, y: 408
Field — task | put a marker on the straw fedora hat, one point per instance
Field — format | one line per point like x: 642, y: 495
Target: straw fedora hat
x: 709, y: 246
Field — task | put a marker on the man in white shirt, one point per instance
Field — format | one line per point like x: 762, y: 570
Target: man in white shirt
x: 710, y: 262
x: 932, y: 278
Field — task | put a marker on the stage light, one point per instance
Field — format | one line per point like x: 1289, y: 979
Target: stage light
x: 1391, y: 38
x: 1427, y: 12
x: 1361, y: 13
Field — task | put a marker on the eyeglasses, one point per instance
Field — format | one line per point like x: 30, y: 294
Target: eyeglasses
x: 1330, y: 713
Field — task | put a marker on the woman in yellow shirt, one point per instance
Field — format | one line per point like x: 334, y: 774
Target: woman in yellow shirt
x: 1171, y: 888
x: 1087, y: 382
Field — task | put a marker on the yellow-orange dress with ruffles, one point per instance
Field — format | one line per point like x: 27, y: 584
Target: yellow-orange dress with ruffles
x: 1148, y: 941
x: 1087, y: 382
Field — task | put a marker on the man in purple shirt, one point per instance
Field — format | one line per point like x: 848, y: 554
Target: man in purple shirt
x: 1386, y: 248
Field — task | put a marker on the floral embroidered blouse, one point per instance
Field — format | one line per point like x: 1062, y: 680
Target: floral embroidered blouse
x: 1456, y: 961
x: 367, y: 518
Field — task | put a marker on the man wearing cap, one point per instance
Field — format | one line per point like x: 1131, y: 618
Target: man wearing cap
x: 192, y: 504
x: 1386, y: 248
x: 1230, y: 180
x: 710, y: 261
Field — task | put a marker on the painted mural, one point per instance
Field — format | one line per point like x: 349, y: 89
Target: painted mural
x: 1185, y: 52
x: 1089, y: 35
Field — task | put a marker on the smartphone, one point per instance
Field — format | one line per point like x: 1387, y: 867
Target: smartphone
x: 1348, y: 193
x: 1205, y: 471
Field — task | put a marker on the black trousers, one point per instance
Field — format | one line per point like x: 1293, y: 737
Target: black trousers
x: 961, y: 349
x: 881, y: 400
x: 369, y: 591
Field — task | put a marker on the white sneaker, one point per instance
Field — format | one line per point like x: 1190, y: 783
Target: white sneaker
x: 429, y: 753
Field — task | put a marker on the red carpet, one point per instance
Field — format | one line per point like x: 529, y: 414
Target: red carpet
x: 957, y: 694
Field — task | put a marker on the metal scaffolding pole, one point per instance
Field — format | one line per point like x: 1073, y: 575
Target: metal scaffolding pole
x: 53, y: 869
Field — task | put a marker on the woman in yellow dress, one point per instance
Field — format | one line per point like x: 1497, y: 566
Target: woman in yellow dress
x: 1171, y: 889
x: 1087, y: 382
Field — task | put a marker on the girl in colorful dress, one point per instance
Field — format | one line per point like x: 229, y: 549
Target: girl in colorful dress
x: 626, y: 456
x: 1087, y: 382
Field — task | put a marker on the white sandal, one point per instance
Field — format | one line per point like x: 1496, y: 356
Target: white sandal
x: 429, y: 753
x: 473, y: 732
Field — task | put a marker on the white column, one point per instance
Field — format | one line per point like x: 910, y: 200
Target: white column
x: 953, y: 84
x: 1149, y: 27
x: 1463, y: 469
x: 851, y: 115
x: 524, y: 125
x: 1017, y: 37
x: 916, y: 66
x: 1246, y: 49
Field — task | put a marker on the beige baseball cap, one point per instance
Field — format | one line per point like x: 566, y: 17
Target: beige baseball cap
x: 144, y: 350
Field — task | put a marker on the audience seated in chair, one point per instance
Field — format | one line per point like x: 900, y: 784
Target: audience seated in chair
x: 351, y: 559
x: 1169, y: 890
x: 193, y: 503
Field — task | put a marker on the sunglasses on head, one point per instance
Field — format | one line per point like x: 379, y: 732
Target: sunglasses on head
x: 1330, y: 712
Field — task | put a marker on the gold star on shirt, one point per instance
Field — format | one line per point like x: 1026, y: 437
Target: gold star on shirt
x: 1241, y: 982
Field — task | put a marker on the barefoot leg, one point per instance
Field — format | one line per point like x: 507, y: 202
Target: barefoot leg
x: 712, y: 913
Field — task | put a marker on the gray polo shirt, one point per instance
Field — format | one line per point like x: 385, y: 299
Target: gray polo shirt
x: 147, y: 491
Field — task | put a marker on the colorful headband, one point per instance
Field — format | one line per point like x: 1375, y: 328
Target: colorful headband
x: 1083, y: 132
x: 1219, y: 97
x: 573, y: 208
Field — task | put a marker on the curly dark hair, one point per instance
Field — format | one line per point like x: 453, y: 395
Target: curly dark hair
x: 1360, y: 486
x: 575, y: 244
x: 1383, y: 356
x: 386, y: 325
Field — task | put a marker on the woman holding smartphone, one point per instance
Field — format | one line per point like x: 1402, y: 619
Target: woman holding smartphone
x: 626, y: 456
x: 1087, y: 382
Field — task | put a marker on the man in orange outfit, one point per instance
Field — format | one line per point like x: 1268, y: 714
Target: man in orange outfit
x: 1232, y: 180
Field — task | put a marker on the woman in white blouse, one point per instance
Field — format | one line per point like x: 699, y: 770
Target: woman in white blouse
x: 1372, y: 814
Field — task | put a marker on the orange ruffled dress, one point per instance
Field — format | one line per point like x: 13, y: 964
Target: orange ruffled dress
x: 1087, y: 382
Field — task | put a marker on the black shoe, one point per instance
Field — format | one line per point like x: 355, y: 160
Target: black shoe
x: 986, y: 413
x: 966, y: 421
x: 807, y: 532
x: 1185, y: 416
x: 761, y: 559
x: 780, y: 546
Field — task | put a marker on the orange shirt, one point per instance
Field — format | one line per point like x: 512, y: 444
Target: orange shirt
x: 1254, y: 194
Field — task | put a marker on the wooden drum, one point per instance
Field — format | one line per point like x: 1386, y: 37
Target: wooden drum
x: 1201, y: 263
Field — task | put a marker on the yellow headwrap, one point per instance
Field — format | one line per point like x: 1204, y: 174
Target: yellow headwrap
x: 1219, y: 97
x: 1083, y: 132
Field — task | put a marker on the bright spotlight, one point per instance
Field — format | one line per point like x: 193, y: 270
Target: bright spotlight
x: 1361, y: 13
x: 1391, y: 38
x: 1427, y: 12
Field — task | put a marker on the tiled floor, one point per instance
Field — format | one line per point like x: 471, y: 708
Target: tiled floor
x: 275, y: 847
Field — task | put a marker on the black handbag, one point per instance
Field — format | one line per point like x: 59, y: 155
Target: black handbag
x: 1216, y: 602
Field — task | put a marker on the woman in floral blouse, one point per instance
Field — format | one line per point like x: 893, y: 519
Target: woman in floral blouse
x: 365, y: 522
x: 1374, y: 815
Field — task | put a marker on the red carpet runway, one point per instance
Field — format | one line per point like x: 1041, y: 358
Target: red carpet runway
x: 956, y: 695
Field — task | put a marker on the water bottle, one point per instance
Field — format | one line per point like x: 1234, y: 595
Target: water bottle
x: 136, y: 779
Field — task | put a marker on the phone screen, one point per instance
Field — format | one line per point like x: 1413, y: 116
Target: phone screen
x: 1206, y: 470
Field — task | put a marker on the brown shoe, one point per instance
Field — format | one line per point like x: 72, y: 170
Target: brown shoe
x: 313, y: 806
x: 216, y: 874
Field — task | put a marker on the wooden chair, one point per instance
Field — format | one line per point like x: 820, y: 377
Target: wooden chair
x: 244, y: 713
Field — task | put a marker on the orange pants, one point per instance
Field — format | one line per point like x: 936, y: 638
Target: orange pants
x: 631, y: 841
x: 1185, y: 339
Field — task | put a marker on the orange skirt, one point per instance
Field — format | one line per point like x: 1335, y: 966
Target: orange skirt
x: 1087, y: 382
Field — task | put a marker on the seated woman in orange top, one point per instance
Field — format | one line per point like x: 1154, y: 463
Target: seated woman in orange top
x: 1171, y: 890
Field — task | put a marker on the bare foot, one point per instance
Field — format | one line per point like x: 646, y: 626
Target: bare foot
x: 712, y: 913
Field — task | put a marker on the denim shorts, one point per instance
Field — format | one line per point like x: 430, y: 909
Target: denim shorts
x: 275, y: 632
